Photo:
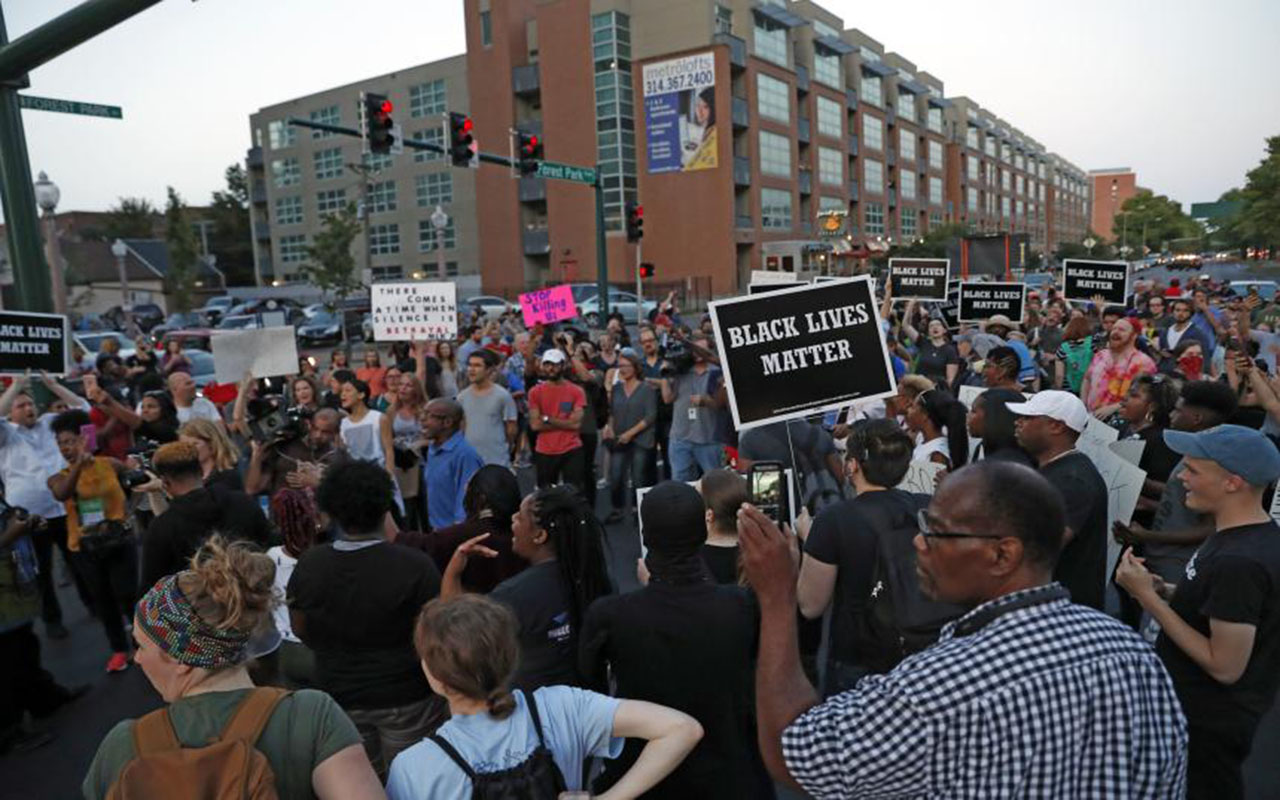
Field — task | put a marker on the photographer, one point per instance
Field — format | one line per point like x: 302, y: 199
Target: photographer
x: 98, y: 533
x: 293, y: 461
x: 694, y: 392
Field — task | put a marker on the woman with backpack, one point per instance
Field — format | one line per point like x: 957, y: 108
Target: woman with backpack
x: 218, y: 734
x: 504, y: 744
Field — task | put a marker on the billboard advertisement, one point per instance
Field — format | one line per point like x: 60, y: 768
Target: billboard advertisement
x: 680, y: 113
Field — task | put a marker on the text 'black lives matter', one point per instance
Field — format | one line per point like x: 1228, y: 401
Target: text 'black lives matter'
x: 33, y: 342
x: 1083, y: 280
x: 919, y: 278
x: 982, y: 301
x: 800, y: 351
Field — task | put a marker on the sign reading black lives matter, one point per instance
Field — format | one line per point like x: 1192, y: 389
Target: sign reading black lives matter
x: 919, y: 278
x: 982, y: 301
x: 801, y: 351
x: 33, y: 342
x: 408, y: 310
x: 1083, y: 280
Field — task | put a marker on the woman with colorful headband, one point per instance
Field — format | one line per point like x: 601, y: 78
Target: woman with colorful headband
x: 192, y: 632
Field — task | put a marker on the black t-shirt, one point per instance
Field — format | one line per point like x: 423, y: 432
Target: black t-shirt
x: 1083, y: 564
x: 1158, y: 459
x: 1233, y: 577
x: 722, y: 563
x: 360, y: 607
x: 226, y: 479
x: 932, y: 360
x: 841, y: 536
x: 690, y: 647
x: 174, y: 536
x: 548, y: 642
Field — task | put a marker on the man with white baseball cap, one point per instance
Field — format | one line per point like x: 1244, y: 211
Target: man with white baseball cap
x: 1220, y: 629
x: 1047, y: 427
x: 556, y: 409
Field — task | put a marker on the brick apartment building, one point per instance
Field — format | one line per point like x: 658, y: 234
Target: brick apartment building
x: 1111, y: 187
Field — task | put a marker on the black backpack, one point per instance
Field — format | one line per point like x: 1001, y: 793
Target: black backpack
x: 536, y: 778
x: 899, y: 619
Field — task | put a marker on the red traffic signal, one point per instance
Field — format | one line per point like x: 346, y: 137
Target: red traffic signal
x: 635, y: 221
x: 646, y: 270
x: 462, y: 146
x: 528, y: 152
x: 378, y: 123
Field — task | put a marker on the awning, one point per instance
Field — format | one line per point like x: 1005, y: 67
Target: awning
x: 835, y: 45
x: 905, y: 85
x: 940, y: 102
x: 878, y: 68
x: 779, y: 15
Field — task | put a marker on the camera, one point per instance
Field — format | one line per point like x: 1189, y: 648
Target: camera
x: 144, y: 450
x: 275, y: 423
x: 681, y: 355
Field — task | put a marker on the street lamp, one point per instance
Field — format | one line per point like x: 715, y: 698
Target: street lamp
x: 439, y: 221
x: 119, y: 249
x: 47, y: 196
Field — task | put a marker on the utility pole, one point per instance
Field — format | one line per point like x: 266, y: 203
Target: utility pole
x: 639, y: 287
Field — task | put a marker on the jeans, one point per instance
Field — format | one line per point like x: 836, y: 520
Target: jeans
x: 387, y: 731
x: 633, y: 459
x: 690, y: 460
x: 43, y: 541
x: 112, y: 578
x: 562, y: 468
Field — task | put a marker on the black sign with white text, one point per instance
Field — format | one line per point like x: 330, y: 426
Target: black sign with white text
x: 33, y: 342
x: 950, y: 310
x: 764, y: 288
x: 982, y: 301
x: 919, y: 278
x: 1083, y: 280
x: 800, y: 351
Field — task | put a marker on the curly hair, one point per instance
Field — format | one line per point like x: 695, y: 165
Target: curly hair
x: 357, y: 494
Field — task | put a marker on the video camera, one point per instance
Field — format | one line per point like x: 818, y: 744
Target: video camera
x: 144, y: 450
x: 272, y: 422
x: 680, y: 357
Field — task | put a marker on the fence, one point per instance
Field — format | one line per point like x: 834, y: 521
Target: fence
x: 691, y: 293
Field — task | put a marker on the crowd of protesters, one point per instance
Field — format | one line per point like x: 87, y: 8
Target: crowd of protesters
x: 359, y: 538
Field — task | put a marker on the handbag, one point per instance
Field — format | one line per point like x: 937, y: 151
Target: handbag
x: 106, y: 538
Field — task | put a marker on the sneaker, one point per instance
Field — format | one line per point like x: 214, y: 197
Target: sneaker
x: 118, y: 662
x: 56, y: 630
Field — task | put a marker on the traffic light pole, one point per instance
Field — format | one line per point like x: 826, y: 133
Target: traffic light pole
x: 602, y: 251
x: 639, y: 287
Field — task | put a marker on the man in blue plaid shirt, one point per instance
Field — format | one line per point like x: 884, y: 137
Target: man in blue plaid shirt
x: 1026, y: 695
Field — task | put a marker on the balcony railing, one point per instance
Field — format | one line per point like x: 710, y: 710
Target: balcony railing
x: 537, y: 242
x: 802, y: 131
x: 892, y: 194
x: 259, y: 195
x: 851, y: 99
x: 743, y: 221
x: 853, y: 192
x: 853, y: 145
x: 737, y: 49
x: 806, y: 182
x: 262, y: 231
x: 890, y: 116
x: 802, y: 79
x: 741, y: 171
x: 532, y: 189
x: 741, y: 114
x: 253, y: 158
x: 525, y: 80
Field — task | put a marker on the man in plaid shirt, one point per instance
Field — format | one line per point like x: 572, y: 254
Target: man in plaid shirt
x: 1026, y: 695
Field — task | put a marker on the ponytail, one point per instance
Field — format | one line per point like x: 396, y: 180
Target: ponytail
x: 578, y: 539
x: 946, y: 412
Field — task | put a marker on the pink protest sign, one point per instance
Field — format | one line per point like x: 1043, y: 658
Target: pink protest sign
x: 548, y: 305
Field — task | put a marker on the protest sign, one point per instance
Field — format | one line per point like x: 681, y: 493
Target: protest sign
x: 1129, y: 449
x: 546, y: 306
x: 763, y: 288
x: 919, y: 278
x: 263, y: 352
x: 982, y: 301
x: 33, y: 342
x: 801, y: 351
x: 1083, y: 280
x: 773, y: 276
x: 407, y: 310
x: 921, y: 477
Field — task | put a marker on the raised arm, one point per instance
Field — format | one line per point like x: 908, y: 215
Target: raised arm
x: 64, y: 394
x: 18, y: 383
x: 671, y: 735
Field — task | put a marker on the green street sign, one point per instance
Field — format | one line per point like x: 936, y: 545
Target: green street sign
x: 70, y: 107
x: 566, y: 172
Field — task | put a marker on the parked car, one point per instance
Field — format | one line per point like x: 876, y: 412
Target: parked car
x: 489, y: 305
x: 91, y: 343
x: 202, y: 369
x: 1037, y: 281
x: 624, y: 303
x: 239, y: 322
x: 178, y: 321
x: 215, y: 307
x: 1186, y: 261
x: 197, y: 338
x: 324, y: 327
x: 1266, y: 289
x: 291, y: 308
x: 145, y: 315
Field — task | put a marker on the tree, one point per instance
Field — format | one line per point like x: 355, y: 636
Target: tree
x: 183, y: 253
x: 1257, y: 222
x: 130, y: 218
x: 331, y: 266
x: 1161, y: 220
x: 933, y: 244
x: 1100, y: 250
x: 231, y: 239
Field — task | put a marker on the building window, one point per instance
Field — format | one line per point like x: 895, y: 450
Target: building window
x: 775, y: 154
x: 907, y: 223
x: 427, y: 236
x: 1006, y: 153
x: 935, y: 191
x: 971, y: 168
x: 773, y: 98
x: 293, y: 249
x: 872, y: 132
x: 384, y: 240
x: 382, y: 197
x: 1004, y: 207
x: 1004, y: 179
x: 871, y: 90
x: 1018, y: 209
x: 281, y: 134
x: 1017, y: 184
x: 873, y: 219
x: 989, y: 146
x: 830, y: 166
x: 394, y: 272
x: 486, y: 29
x: 289, y: 210
x: 615, y: 112
x: 770, y: 41
x: 724, y: 19
x: 830, y: 118
x: 907, y: 184
x: 430, y: 136
x: 873, y: 175
x: 427, y: 98
x: 331, y: 201
x: 377, y: 162
x: 907, y: 106
x: 827, y: 204
x: 330, y: 115
x: 935, y: 155
x: 906, y: 147
x: 971, y: 198
x: 286, y: 172
x: 935, y: 220
x: 434, y: 189
x: 826, y: 68
x: 775, y: 209
x: 328, y: 163
x: 934, y: 122
x: 971, y: 137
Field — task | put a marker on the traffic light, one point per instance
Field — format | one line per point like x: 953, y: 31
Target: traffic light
x: 379, y: 135
x: 528, y: 150
x: 462, y: 145
x: 635, y: 221
x: 646, y: 270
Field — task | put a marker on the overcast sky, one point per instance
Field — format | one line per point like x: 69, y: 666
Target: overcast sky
x: 1185, y: 92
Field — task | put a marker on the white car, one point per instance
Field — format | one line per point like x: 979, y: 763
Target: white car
x: 489, y: 305
x: 1266, y: 289
x: 620, y: 302
x: 92, y: 345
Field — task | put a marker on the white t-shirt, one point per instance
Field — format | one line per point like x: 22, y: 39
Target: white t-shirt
x: 200, y: 408
x: 284, y: 570
x: 926, y: 449
x: 364, y: 438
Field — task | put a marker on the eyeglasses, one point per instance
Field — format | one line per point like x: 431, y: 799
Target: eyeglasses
x: 926, y: 530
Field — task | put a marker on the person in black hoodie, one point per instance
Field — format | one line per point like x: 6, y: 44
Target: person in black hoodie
x: 687, y: 643
x: 195, y: 512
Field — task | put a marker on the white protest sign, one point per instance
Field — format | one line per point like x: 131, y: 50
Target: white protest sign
x: 1129, y: 449
x: 263, y: 352
x: 921, y: 477
x: 407, y: 310
x: 1275, y: 505
x: 1123, y: 480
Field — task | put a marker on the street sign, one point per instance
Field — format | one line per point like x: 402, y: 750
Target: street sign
x: 566, y: 172
x: 69, y: 107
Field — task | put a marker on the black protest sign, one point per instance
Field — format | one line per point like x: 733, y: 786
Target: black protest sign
x: 33, y: 342
x: 919, y: 278
x: 1083, y: 280
x: 800, y: 351
x: 950, y: 310
x: 763, y: 288
x: 982, y: 301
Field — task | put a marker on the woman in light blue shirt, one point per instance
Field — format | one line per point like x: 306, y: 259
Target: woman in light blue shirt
x: 469, y: 651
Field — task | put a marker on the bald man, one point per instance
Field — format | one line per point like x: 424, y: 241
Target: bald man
x: 450, y: 462
x: 183, y: 390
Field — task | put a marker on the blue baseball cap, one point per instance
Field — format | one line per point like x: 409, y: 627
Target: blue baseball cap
x: 1239, y: 450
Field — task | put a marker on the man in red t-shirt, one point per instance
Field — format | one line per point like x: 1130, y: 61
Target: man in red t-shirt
x: 555, y: 412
